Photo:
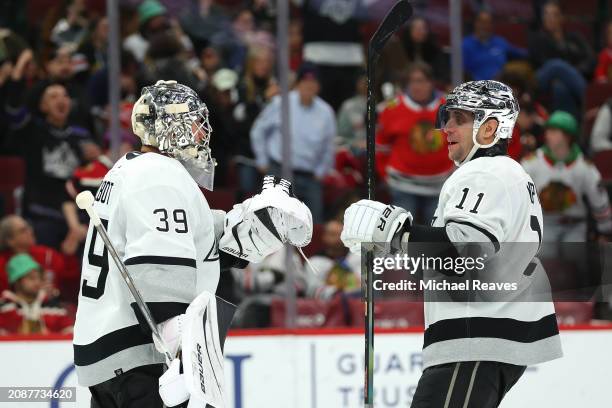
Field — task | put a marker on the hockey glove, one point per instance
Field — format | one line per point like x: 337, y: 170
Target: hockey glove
x: 374, y: 223
x: 261, y: 225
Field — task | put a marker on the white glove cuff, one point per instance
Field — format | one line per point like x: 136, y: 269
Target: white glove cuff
x: 172, y: 385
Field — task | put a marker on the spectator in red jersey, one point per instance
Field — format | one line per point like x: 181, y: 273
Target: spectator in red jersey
x: 16, y: 236
x: 27, y: 308
x: 412, y: 155
x: 603, y: 70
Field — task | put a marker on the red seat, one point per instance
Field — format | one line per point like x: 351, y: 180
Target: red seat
x: 596, y: 94
x: 570, y: 313
x: 389, y: 313
x: 221, y: 199
x: 316, y: 244
x: 603, y: 162
x: 12, y: 177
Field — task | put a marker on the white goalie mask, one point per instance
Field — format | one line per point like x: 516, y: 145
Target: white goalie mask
x: 172, y: 118
x: 486, y: 100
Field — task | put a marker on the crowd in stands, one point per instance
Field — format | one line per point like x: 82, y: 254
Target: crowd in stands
x: 54, y: 117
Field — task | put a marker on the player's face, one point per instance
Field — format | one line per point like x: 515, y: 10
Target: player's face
x: 458, y: 131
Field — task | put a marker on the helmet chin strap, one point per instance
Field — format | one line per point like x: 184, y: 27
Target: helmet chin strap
x: 475, y: 148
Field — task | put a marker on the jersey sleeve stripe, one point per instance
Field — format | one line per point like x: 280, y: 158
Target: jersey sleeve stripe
x: 110, y: 344
x: 482, y: 230
x: 161, y: 260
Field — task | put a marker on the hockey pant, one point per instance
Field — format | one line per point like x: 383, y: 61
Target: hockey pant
x: 468, y: 384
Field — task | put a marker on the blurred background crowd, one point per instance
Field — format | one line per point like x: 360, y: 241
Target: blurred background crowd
x: 54, y: 130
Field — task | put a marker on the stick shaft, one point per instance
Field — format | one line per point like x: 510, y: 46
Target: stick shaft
x: 368, y: 392
x: 398, y: 15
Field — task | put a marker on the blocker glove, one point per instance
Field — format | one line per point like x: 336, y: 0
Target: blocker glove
x: 374, y: 223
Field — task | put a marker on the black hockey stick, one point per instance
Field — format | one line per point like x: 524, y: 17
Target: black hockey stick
x: 395, y: 18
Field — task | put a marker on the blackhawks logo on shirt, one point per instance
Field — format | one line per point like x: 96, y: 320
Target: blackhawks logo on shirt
x: 424, y: 138
x: 557, y: 197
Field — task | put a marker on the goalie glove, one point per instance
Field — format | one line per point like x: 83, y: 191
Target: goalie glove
x: 261, y: 225
x: 374, y: 223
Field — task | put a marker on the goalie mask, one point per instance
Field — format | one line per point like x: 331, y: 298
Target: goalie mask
x: 172, y: 118
x: 486, y: 100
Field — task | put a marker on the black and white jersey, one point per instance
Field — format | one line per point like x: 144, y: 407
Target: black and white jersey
x: 162, y: 228
x: 493, y: 200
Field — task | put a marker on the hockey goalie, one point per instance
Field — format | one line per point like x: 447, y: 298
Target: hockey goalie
x: 174, y: 247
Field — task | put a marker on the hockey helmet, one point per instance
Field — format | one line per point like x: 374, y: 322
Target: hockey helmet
x: 486, y: 100
x: 171, y: 117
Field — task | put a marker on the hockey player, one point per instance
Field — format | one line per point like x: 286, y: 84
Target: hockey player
x: 474, y: 352
x: 174, y: 247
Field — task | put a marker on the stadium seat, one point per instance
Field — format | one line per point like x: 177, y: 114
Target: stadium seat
x: 603, y: 162
x: 316, y: 244
x: 12, y: 178
x: 389, y: 314
x: 571, y: 313
x: 596, y: 95
x: 221, y: 199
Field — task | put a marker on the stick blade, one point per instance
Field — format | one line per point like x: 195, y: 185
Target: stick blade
x: 395, y: 18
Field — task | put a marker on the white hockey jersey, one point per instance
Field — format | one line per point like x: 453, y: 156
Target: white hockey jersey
x: 492, y: 200
x: 562, y: 187
x: 162, y: 228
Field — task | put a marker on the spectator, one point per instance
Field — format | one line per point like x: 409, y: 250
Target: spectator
x: 52, y: 150
x: 603, y: 70
x: 27, y: 308
x: 60, y: 68
x: 236, y: 40
x: 86, y: 177
x: 17, y: 237
x: 338, y: 268
x: 562, y: 61
x: 553, y: 42
x: 257, y: 87
x: 312, y: 130
x: 412, y: 155
x: 221, y: 99
x: 351, y: 118
x: 167, y: 60
x: 601, y: 134
x: 72, y: 28
x: 202, y: 19
x: 152, y: 19
x: 565, y: 180
x: 484, y: 53
x: 94, y: 46
x: 529, y: 127
x: 333, y: 41
x: 420, y: 45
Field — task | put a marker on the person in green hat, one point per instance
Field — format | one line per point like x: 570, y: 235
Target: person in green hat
x: 26, y: 309
x: 152, y: 19
x: 563, y: 178
x: 25, y: 276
